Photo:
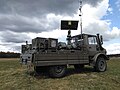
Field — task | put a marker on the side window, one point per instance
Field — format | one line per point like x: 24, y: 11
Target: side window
x: 92, y: 40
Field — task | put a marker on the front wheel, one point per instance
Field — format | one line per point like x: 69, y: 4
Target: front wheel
x: 57, y: 71
x: 100, y: 65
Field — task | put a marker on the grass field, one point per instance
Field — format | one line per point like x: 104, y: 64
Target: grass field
x: 15, y: 77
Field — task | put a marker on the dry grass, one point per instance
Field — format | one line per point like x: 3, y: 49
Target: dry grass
x: 15, y: 77
x: 1, y: 59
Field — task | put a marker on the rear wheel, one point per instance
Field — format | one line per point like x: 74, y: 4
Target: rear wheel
x: 57, y: 71
x: 101, y: 64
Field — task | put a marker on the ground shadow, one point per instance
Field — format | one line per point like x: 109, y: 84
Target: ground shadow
x: 70, y: 71
x: 40, y: 75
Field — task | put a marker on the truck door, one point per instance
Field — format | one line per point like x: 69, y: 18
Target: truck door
x: 92, y: 45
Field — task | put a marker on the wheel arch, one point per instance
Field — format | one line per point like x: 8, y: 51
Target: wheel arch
x: 97, y: 56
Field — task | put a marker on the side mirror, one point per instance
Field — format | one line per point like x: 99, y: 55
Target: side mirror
x: 101, y: 39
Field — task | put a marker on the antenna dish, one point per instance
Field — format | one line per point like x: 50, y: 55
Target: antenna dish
x: 69, y: 24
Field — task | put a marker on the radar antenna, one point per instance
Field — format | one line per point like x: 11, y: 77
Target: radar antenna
x: 80, y: 8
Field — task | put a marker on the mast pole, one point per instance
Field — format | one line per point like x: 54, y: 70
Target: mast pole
x: 80, y: 8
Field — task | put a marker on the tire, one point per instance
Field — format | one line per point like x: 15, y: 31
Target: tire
x: 100, y: 65
x: 57, y: 71
x: 79, y: 67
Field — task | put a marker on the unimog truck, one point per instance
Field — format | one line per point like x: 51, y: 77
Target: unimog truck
x: 54, y: 57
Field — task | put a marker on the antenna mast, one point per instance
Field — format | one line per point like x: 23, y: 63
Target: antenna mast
x: 80, y: 8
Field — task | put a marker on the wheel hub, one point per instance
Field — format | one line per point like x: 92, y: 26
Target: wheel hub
x: 101, y: 65
x: 58, y: 69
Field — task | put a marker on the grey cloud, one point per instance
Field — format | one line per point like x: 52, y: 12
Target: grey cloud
x: 11, y: 37
x: 96, y: 27
x: 12, y: 47
x: 40, y: 7
x: 17, y: 15
x: 16, y: 48
x: 5, y: 44
x: 93, y: 3
x: 18, y: 23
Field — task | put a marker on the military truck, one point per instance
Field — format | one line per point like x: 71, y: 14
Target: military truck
x: 47, y: 54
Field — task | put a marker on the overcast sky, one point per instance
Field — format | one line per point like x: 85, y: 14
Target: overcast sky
x: 22, y: 20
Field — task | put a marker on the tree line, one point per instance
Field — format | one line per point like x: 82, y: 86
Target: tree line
x: 114, y: 55
x: 9, y: 55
